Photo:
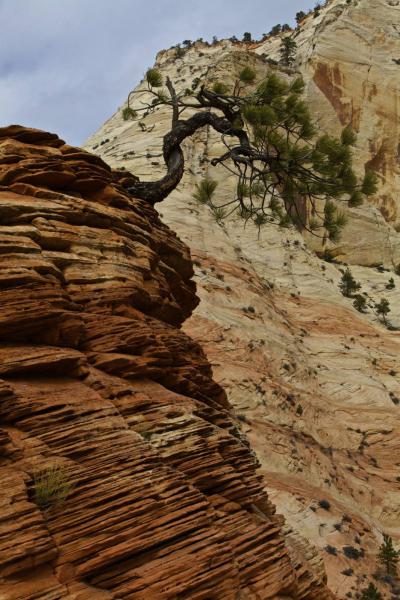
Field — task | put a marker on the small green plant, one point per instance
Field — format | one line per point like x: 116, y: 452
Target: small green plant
x: 348, y: 285
x: 388, y: 556
x: 128, y: 113
x: 154, y: 78
x: 204, y: 190
x: 299, y: 410
x: 247, y: 39
x: 370, y: 593
x: 325, y: 504
x: 247, y: 75
x: 220, y: 88
x: 51, y: 486
x: 218, y: 212
x: 382, y: 309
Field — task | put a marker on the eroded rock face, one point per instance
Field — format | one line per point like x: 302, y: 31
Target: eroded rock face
x: 349, y: 56
x: 314, y: 382
x: 98, y: 379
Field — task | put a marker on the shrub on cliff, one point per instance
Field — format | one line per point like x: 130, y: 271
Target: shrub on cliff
x: 382, y: 309
x: 348, y: 285
x: 300, y: 16
x: 287, y: 174
x: 51, y: 486
x: 276, y: 29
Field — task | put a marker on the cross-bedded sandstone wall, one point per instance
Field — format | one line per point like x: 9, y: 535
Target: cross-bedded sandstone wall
x: 97, y: 378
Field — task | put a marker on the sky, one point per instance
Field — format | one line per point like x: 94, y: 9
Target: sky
x: 66, y: 65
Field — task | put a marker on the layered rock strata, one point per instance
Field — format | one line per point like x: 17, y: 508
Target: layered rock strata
x: 314, y: 382
x: 99, y: 382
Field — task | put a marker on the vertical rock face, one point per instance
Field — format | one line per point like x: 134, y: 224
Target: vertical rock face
x: 314, y: 382
x: 99, y: 384
x: 349, y: 56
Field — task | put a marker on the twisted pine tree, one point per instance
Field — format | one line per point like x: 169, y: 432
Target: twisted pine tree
x: 286, y: 173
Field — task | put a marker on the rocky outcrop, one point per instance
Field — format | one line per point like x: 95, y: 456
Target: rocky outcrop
x: 349, y: 56
x: 99, y: 382
x: 314, y: 382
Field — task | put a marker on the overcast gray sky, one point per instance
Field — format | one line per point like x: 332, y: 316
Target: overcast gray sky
x: 65, y: 65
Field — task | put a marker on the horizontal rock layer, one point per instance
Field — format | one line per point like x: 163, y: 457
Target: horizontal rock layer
x: 98, y: 382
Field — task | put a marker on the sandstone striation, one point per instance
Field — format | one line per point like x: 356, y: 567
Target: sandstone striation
x: 98, y: 380
x: 314, y: 383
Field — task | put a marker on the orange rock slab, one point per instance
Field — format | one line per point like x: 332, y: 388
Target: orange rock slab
x: 98, y: 378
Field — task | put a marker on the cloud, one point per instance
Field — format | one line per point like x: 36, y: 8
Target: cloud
x: 65, y: 65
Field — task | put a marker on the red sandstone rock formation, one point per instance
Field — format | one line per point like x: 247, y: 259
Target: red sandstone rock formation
x: 97, y: 377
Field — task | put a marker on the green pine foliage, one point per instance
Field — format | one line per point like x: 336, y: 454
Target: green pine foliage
x: 154, y: 78
x: 388, y: 556
x: 348, y: 136
x: 204, y: 190
x: 128, y: 113
x: 220, y: 88
x: 247, y: 75
x: 348, y: 285
x: 287, y: 172
x: 315, y: 169
x: 288, y: 50
x: 300, y: 16
x: 369, y: 185
x: 218, y: 213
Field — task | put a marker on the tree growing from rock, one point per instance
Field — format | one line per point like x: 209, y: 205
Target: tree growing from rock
x: 300, y: 16
x: 348, y: 285
x: 286, y: 173
x: 276, y: 29
x: 382, y: 309
x: 388, y: 556
x: 288, y: 50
